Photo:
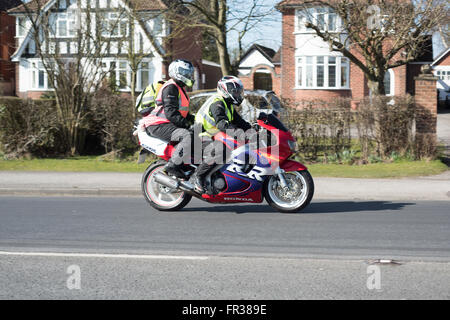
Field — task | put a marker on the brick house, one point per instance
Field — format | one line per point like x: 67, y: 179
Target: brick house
x: 260, y: 68
x: 31, y: 79
x: 7, y: 33
x: 441, y: 68
x: 311, y: 71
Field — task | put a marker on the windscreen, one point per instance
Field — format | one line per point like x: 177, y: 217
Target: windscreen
x: 275, y: 122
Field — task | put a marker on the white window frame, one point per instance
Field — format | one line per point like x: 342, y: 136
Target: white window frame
x: 21, y: 27
x: 149, y: 69
x: 35, y: 71
x: 115, y: 19
x: 127, y: 71
x: 442, y: 74
x: 69, y: 19
x: 311, y: 14
x: 391, y: 82
x: 338, y: 64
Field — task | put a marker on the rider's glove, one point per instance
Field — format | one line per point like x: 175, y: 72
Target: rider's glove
x: 190, y: 119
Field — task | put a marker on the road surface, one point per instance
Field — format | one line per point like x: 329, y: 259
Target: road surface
x: 125, y: 249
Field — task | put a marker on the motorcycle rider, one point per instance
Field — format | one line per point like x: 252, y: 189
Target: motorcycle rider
x: 170, y: 120
x: 218, y: 114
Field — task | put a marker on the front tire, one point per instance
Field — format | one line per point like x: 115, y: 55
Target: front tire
x: 160, y: 197
x: 299, y: 195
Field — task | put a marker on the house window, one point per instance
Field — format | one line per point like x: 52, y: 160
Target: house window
x: 324, y: 18
x: 21, y: 27
x: 300, y: 72
x: 62, y: 25
x: 144, y: 73
x: 114, y: 25
x: 122, y: 74
x: 344, y: 72
x: 332, y: 72
x: 443, y: 75
x: 389, y: 83
x: 325, y: 72
x: 309, y: 72
x: 320, y: 71
x: 39, y: 79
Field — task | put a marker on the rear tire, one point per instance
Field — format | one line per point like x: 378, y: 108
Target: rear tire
x: 160, y: 197
x: 294, y: 202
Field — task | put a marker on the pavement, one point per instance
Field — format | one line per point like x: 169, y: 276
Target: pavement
x: 129, y: 185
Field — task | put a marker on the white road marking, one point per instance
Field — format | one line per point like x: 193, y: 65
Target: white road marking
x: 100, y: 255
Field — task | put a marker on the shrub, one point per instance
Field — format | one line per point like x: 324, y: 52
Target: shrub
x: 111, y: 120
x: 321, y: 128
x: 385, y: 125
x: 29, y: 127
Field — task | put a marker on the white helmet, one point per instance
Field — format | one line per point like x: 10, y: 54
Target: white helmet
x: 231, y: 87
x: 182, y: 70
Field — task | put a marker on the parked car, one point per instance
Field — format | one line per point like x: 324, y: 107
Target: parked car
x: 254, y: 103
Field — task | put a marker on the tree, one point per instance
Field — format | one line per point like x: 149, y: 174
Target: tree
x: 375, y: 35
x: 74, y: 69
x: 219, y: 18
x: 444, y: 32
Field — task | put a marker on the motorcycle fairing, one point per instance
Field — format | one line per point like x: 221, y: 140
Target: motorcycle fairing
x: 290, y: 166
x: 157, y: 146
x: 243, y: 186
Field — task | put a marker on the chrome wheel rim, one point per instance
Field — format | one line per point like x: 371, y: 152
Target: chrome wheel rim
x: 162, y: 195
x: 290, y: 198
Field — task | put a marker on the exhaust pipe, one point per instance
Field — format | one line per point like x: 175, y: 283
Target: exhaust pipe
x: 172, y: 183
x: 166, y: 181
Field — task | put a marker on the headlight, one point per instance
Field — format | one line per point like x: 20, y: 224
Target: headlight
x: 293, y: 145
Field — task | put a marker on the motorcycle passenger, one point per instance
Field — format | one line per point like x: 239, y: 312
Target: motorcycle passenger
x: 218, y: 114
x: 170, y: 120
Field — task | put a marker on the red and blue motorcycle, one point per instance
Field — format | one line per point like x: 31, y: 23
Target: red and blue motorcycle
x: 251, y: 174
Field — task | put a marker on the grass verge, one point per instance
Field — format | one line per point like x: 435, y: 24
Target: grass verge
x: 91, y: 164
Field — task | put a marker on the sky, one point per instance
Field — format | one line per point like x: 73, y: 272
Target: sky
x: 267, y: 32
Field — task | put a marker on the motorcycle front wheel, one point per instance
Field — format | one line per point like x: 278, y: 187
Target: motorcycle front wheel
x: 161, y: 197
x: 294, y: 198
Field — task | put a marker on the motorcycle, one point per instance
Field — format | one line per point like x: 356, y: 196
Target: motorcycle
x: 286, y: 185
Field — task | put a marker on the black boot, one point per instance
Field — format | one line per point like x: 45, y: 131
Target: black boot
x: 173, y: 170
x: 199, y: 183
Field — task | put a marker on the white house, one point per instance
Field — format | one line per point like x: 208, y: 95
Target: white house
x: 144, y: 34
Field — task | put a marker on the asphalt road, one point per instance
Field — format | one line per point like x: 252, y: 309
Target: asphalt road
x: 222, y: 252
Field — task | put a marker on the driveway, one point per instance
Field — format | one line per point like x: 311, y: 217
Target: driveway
x: 443, y: 129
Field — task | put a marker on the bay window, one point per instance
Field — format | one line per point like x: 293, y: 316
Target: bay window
x: 120, y: 73
x: 322, y: 72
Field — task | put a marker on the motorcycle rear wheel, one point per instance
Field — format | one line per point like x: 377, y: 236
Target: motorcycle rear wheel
x: 299, y: 195
x: 161, y: 197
